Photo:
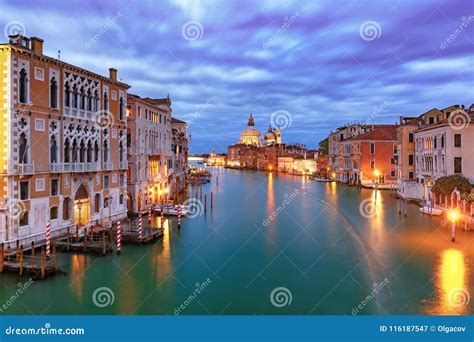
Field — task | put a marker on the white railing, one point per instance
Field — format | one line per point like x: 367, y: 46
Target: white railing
x: 123, y: 165
x: 108, y: 165
x: 56, y: 167
x: 26, y: 168
x: 81, y: 167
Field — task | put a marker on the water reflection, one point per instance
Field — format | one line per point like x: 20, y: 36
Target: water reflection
x: 77, y: 275
x: 451, y: 279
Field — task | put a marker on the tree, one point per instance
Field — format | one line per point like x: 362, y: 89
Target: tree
x: 446, y: 185
x: 323, y: 146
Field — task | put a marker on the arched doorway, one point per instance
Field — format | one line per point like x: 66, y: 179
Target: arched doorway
x: 81, y: 206
x: 130, y: 202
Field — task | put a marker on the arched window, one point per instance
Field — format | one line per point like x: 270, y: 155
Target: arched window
x: 82, y: 152
x: 89, y: 100
x: 74, y: 97
x: 53, y: 93
x: 23, y: 86
x: 106, y: 151
x: 67, y: 95
x: 89, y: 152
x: 53, y: 148
x: 121, y: 152
x: 106, y: 102
x: 74, y: 151
x: 96, y: 101
x: 96, y: 152
x: 66, y: 151
x: 83, y: 98
x: 121, y: 109
x: 23, y: 149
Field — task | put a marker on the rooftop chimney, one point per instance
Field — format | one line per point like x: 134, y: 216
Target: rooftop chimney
x: 113, y: 74
x: 37, y: 45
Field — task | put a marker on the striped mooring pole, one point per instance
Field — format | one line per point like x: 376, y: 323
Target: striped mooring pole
x: 140, y: 231
x: 179, y: 215
x: 119, y: 237
x: 149, y: 213
x: 48, y: 239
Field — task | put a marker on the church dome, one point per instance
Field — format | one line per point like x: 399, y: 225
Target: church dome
x: 250, y: 135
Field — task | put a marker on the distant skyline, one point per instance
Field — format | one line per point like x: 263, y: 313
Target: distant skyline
x: 317, y: 64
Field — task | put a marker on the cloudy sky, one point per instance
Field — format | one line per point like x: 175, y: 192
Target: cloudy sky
x: 315, y: 65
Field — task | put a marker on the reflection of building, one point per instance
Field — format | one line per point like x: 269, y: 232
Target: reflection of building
x: 63, y: 143
x: 216, y: 159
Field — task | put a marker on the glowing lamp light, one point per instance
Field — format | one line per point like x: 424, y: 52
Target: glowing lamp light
x: 333, y: 175
x: 376, y: 173
x: 270, y: 167
x: 453, y: 215
x: 166, y: 190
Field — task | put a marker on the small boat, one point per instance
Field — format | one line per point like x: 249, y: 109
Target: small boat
x: 322, y: 180
x: 431, y: 211
x: 172, y: 210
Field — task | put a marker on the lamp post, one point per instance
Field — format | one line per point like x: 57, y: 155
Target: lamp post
x: 377, y: 175
x: 453, y: 216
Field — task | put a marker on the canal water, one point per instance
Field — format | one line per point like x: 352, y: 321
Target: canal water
x: 271, y: 244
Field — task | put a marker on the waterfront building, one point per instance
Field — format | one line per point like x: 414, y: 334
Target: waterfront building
x: 368, y: 159
x: 179, y: 164
x: 216, y: 159
x: 405, y: 158
x: 298, y: 165
x: 273, y: 136
x: 63, y: 143
x: 267, y: 156
x: 443, y: 146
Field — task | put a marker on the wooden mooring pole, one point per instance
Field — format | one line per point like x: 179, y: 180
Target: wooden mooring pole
x: 33, y: 253
x: 43, y: 263
x: 21, y: 260
x: 205, y: 202
x: 1, y: 258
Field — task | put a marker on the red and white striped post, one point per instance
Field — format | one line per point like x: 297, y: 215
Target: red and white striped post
x: 48, y: 239
x: 149, y: 214
x: 179, y: 215
x: 162, y: 217
x: 119, y: 237
x: 140, y: 227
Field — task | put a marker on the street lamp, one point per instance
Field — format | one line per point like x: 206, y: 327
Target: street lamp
x: 453, y: 216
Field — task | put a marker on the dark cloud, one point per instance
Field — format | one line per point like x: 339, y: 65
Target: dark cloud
x: 305, y: 57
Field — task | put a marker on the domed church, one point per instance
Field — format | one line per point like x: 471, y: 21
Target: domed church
x: 250, y: 135
x: 273, y: 136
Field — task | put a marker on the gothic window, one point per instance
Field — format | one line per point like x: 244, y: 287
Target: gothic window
x: 96, y: 101
x: 83, y: 98
x: 66, y: 151
x: 96, y: 151
x: 82, y: 152
x: 53, y: 154
x: 106, y: 151
x: 89, y: 152
x: 74, y: 97
x: 89, y: 100
x: 121, y: 152
x: 121, y: 109
x: 74, y: 151
x: 67, y: 95
x: 23, y: 149
x: 23, y: 86
x: 53, y: 96
x: 106, y: 102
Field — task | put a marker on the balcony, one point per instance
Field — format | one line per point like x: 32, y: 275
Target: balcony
x: 26, y: 168
x: 108, y: 165
x: 56, y: 167
x: 123, y: 165
x: 81, y: 167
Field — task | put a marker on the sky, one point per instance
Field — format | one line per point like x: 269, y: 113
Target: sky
x: 306, y: 66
